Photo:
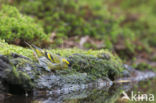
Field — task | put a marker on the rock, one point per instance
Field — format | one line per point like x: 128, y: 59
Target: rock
x: 20, y: 73
x: 5, y: 67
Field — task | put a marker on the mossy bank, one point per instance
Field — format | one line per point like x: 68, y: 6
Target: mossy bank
x: 19, y: 64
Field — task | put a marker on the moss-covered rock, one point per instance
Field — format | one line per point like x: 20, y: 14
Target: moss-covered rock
x: 22, y: 70
x: 97, y: 67
x: 16, y: 75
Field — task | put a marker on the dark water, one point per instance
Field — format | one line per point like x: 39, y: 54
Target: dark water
x: 111, y: 94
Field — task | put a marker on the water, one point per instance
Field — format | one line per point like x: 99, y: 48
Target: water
x: 111, y: 94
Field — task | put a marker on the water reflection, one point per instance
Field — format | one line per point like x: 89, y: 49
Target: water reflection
x: 91, y: 95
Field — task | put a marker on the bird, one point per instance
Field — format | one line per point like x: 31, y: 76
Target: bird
x: 48, y: 60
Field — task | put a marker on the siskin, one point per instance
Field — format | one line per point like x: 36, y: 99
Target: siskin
x: 48, y: 60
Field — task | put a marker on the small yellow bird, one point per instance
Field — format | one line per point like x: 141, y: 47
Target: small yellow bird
x: 49, y: 60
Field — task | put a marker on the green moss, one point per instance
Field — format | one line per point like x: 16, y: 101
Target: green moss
x: 7, y: 49
x: 94, y: 20
x: 17, y: 28
x: 15, y: 73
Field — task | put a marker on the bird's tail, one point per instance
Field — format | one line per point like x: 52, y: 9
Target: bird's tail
x: 37, y: 51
